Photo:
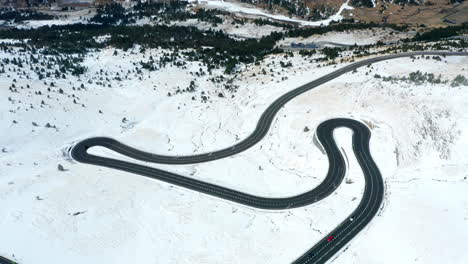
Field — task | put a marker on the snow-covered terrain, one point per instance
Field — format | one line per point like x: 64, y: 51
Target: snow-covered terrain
x: 247, y: 30
x: 61, y: 18
x: 240, y: 8
x: 358, y: 37
x: 88, y: 214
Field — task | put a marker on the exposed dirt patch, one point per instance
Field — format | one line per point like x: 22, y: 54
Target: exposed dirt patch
x: 430, y: 15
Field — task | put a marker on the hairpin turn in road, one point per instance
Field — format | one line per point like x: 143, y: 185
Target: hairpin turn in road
x: 332, y: 242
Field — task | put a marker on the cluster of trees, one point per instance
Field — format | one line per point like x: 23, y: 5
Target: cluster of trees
x: 214, y: 48
x: 147, y: 9
x: 261, y: 22
x: 416, y: 77
x: 44, y: 65
x: 460, y: 45
x: 307, y: 53
x: 297, y: 8
x: 370, y: 3
x: 49, y: 66
x: 68, y: 39
x: 175, y: 10
x: 331, y: 53
x: 440, y: 33
x: 112, y: 14
x: 18, y: 16
x: 339, y: 27
x: 406, y: 2
x: 362, y: 3
x: 459, y: 80
x: 419, y: 78
x: 321, y: 13
x: 115, y: 13
x: 293, y: 7
x: 172, y: 58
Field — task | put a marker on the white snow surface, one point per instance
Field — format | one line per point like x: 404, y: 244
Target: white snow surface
x: 248, y: 30
x: 419, y: 141
x: 236, y: 7
x: 28, y: 24
x: 351, y: 37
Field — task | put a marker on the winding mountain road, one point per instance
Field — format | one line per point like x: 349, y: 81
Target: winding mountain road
x: 323, y: 250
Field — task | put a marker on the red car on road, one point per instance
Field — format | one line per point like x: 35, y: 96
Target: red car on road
x: 330, y: 238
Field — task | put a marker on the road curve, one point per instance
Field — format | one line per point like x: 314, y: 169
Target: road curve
x: 346, y: 230
x: 263, y: 124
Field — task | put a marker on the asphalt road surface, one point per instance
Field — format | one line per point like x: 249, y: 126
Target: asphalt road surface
x: 323, y: 250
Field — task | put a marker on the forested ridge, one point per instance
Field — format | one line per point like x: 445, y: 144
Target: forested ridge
x: 212, y: 47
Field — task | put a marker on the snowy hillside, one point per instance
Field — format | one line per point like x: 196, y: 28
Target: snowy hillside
x: 243, y: 9
x: 95, y: 215
x: 180, y: 79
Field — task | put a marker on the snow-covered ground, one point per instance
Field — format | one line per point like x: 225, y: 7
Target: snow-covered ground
x: 98, y: 215
x: 247, y: 30
x: 27, y: 24
x: 73, y: 17
x: 236, y: 7
x: 351, y: 37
